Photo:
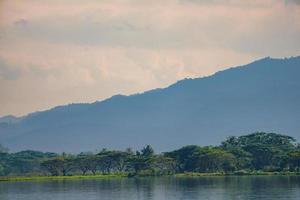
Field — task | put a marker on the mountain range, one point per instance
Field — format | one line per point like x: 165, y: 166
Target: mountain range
x: 261, y: 96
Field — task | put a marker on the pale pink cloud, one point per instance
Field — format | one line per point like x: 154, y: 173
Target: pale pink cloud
x: 59, y: 52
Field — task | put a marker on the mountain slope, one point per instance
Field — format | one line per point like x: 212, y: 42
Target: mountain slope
x: 261, y: 96
x: 10, y: 119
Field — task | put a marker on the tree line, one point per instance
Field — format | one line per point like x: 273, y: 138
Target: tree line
x: 267, y: 152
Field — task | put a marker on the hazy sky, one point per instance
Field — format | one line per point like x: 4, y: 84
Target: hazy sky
x: 56, y: 52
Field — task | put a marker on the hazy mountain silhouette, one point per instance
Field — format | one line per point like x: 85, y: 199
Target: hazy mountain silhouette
x: 10, y: 119
x: 261, y: 96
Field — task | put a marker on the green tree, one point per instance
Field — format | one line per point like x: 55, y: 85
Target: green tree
x: 4, y: 167
x: 265, y: 150
x: 82, y: 163
x: 294, y: 160
x: 163, y: 165
x: 92, y: 163
x: 60, y: 165
x: 184, y: 157
x: 147, y: 151
x: 53, y: 166
x: 213, y: 159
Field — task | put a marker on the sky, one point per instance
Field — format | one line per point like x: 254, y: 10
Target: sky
x: 56, y: 52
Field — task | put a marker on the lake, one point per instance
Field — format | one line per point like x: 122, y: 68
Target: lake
x: 169, y: 188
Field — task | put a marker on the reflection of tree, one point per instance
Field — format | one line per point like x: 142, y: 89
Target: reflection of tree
x: 239, y: 187
x: 145, y: 187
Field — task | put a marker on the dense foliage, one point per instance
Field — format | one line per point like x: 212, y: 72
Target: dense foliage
x: 254, y: 152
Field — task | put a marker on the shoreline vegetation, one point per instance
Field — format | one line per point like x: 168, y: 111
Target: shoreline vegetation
x: 57, y: 178
x: 124, y: 175
x: 253, y: 154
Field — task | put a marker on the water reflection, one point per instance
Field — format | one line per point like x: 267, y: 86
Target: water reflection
x: 253, y: 188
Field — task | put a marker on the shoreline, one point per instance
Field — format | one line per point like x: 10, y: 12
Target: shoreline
x: 114, y: 176
x: 196, y: 174
x: 58, y: 178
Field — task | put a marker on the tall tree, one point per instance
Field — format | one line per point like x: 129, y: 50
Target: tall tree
x: 147, y: 151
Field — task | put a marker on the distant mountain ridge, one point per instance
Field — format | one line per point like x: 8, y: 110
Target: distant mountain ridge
x: 260, y: 96
x: 10, y: 119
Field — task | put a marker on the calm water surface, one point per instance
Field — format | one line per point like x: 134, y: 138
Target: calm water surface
x: 170, y: 188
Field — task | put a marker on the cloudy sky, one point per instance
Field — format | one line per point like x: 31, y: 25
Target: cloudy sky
x: 55, y: 52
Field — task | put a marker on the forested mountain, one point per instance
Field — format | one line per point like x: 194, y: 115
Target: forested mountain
x: 261, y: 96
